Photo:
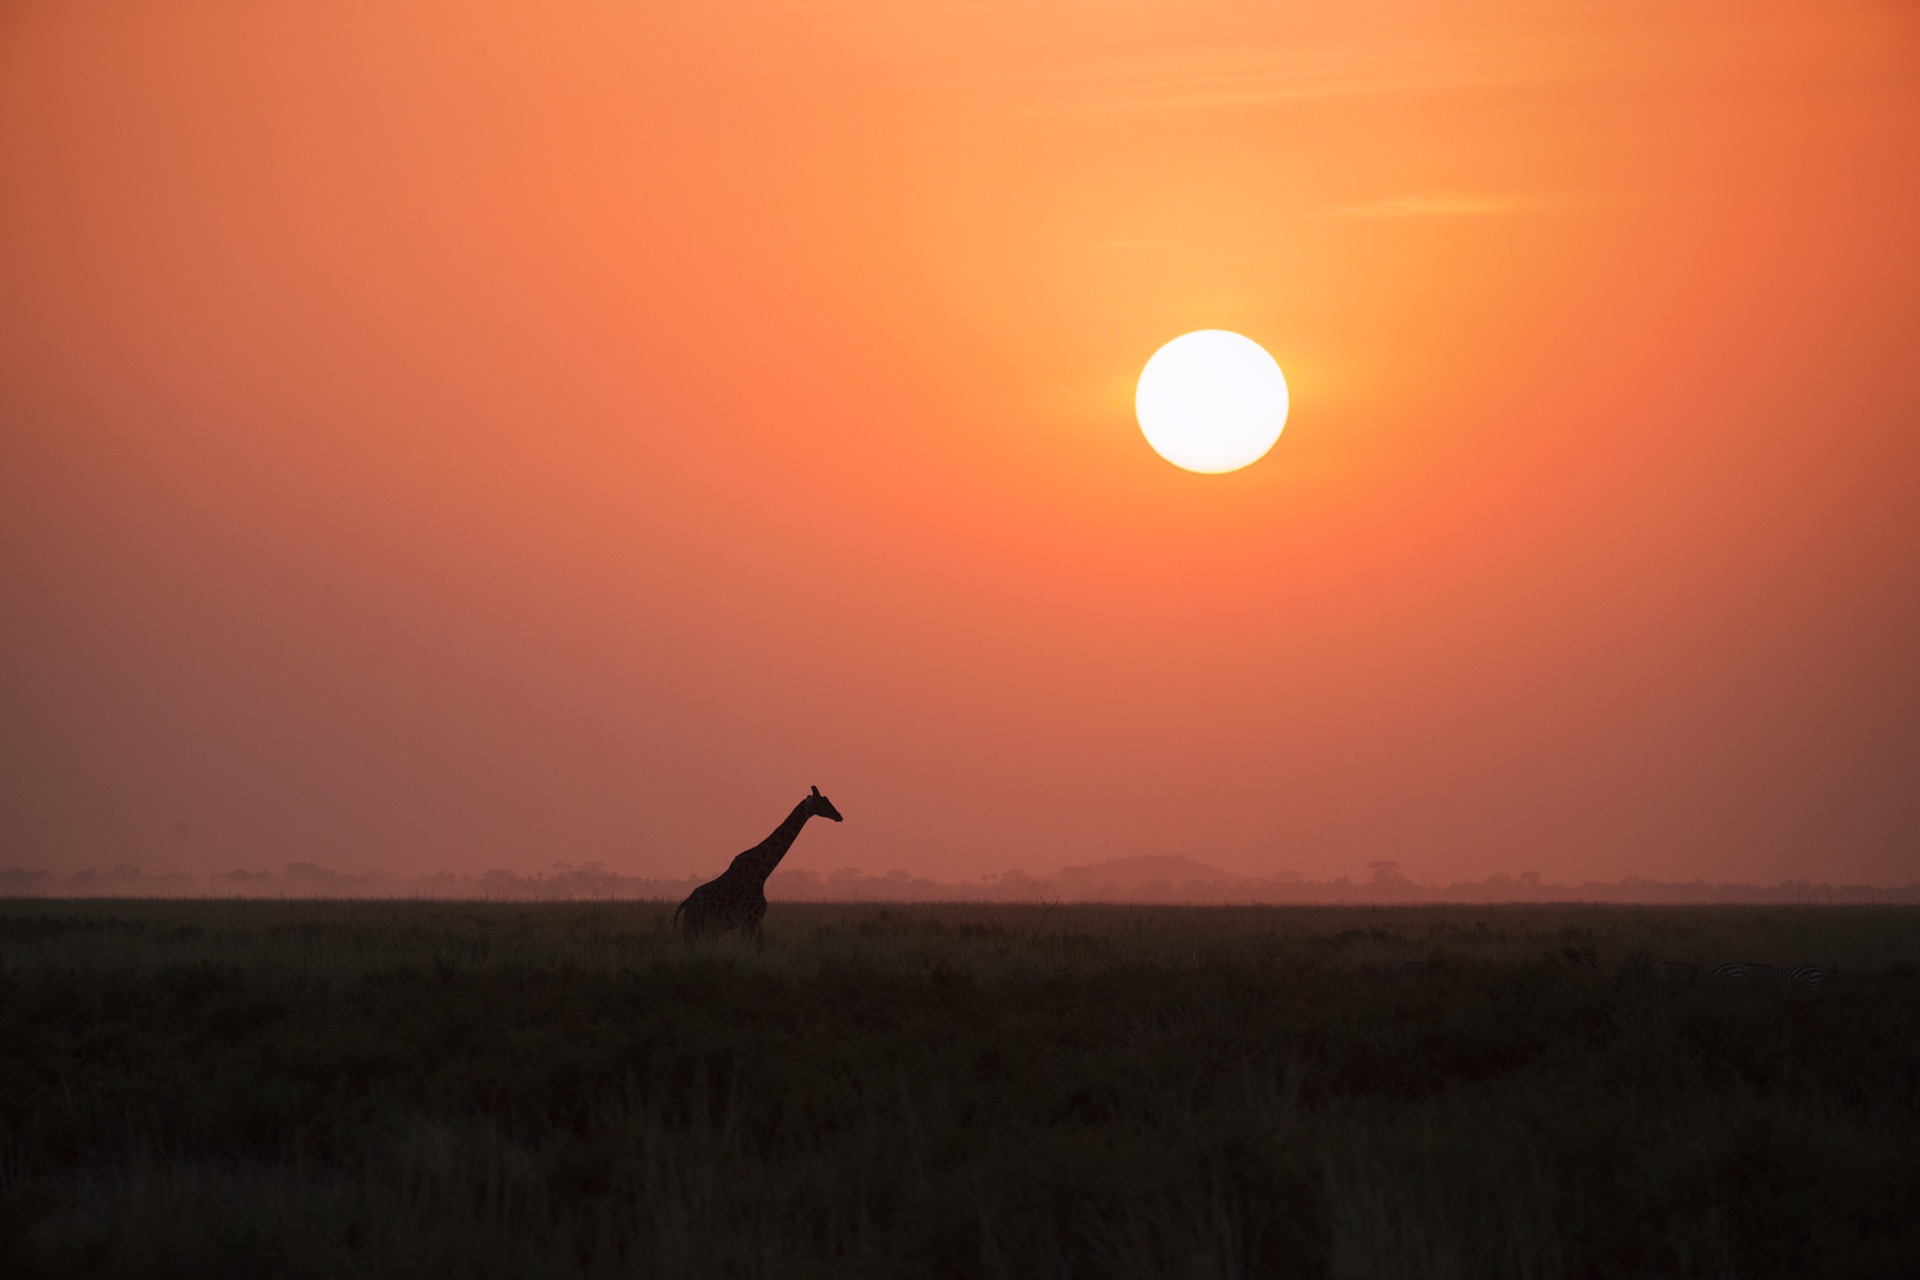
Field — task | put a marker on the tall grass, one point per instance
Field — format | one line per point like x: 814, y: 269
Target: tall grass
x: 954, y: 1090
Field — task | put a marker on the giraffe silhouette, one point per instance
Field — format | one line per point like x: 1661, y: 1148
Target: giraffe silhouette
x: 737, y: 897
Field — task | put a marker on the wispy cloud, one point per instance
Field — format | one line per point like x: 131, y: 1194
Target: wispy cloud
x: 1198, y: 79
x: 1441, y: 206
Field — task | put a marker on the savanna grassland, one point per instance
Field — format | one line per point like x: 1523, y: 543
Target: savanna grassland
x: 386, y: 1088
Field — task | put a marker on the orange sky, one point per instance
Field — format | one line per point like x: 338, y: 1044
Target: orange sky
x: 466, y: 435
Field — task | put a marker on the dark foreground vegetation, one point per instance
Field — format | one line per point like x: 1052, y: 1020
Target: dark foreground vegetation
x: 247, y: 1088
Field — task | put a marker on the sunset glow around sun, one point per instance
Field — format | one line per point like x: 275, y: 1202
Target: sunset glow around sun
x: 474, y: 436
x: 1211, y: 401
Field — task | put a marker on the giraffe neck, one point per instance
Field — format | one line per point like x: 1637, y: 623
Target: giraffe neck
x: 758, y: 862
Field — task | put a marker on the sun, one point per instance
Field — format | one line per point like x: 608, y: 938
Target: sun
x: 1211, y: 401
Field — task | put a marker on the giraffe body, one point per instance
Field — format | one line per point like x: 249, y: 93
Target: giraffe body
x: 737, y: 897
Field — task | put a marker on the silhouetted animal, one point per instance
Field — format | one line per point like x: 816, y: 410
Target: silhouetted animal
x: 737, y: 897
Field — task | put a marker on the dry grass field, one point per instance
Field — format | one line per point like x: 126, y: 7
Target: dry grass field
x: 387, y: 1088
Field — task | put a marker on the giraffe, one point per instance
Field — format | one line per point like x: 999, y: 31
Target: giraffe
x: 737, y: 897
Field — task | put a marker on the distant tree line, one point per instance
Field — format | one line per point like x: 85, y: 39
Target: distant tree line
x: 1157, y: 880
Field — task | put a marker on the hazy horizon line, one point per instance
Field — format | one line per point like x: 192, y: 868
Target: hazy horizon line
x: 1164, y: 880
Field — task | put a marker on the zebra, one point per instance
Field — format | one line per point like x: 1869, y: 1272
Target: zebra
x: 1728, y: 970
x: 1812, y: 974
x: 1678, y: 969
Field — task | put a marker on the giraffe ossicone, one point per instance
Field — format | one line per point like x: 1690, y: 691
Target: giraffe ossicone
x: 737, y: 897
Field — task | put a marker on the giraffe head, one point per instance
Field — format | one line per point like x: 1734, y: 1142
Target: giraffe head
x: 819, y: 806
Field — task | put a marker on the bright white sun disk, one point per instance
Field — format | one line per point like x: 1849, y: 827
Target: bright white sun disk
x: 1211, y: 401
